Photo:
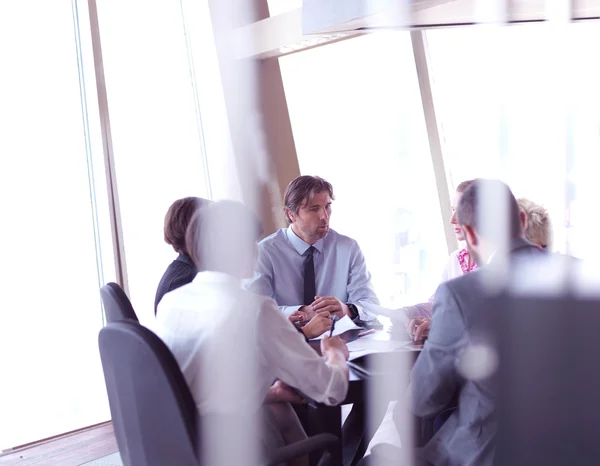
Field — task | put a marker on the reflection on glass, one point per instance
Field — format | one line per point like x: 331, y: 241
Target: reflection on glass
x: 357, y: 120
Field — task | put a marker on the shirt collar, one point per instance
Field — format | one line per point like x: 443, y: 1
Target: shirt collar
x: 218, y: 278
x: 299, y: 244
x: 185, y: 259
x: 513, y: 245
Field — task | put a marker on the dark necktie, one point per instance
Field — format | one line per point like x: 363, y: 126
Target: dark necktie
x: 309, y: 278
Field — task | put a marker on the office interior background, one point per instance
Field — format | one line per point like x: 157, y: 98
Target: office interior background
x: 111, y: 110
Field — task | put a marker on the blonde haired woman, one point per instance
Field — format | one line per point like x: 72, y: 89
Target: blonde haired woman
x: 538, y: 228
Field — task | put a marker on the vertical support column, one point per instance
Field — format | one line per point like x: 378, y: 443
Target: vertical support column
x: 433, y: 133
x: 257, y: 113
x: 109, y: 162
x: 277, y: 124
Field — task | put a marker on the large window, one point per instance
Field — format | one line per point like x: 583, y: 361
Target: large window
x: 357, y: 119
x: 156, y: 128
x: 166, y: 107
x: 513, y: 106
x: 51, y: 241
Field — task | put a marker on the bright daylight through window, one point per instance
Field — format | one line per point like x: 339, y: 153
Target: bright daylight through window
x: 156, y: 131
x: 357, y: 119
x: 499, y: 91
x: 51, y: 253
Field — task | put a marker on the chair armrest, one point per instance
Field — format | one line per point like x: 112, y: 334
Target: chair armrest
x: 303, y: 447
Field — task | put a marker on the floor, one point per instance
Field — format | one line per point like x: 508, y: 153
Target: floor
x: 96, y: 444
x: 110, y: 460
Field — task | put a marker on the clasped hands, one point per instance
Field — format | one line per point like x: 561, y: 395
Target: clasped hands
x: 317, y: 315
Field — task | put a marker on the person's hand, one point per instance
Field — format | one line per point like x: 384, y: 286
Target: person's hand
x: 282, y: 393
x: 300, y: 316
x: 334, y: 346
x: 318, y: 325
x: 418, y: 328
x: 330, y: 305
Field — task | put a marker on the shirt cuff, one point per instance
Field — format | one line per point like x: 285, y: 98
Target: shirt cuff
x: 363, y: 314
x: 289, y: 310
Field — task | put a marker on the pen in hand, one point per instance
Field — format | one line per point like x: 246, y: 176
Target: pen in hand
x: 333, y: 321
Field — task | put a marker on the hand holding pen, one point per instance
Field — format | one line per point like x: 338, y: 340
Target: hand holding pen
x: 330, y: 347
x: 334, y: 319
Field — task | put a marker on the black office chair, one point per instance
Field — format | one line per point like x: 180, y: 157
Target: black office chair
x: 153, y: 412
x: 116, y: 303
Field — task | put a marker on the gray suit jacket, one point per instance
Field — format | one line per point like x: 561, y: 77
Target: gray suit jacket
x: 459, y: 319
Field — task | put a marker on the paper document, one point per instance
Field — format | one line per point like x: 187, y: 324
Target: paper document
x: 364, y: 346
x: 341, y: 326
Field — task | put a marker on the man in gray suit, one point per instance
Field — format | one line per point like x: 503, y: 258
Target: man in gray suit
x: 457, y: 364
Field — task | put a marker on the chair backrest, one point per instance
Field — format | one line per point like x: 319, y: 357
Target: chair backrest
x: 549, y: 386
x: 153, y: 412
x: 116, y: 303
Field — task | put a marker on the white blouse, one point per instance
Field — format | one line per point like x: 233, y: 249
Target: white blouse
x: 457, y: 265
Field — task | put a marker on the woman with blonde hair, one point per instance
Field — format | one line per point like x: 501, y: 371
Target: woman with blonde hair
x: 538, y: 228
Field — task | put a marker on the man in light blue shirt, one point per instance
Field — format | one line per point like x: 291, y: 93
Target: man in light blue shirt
x: 308, y: 268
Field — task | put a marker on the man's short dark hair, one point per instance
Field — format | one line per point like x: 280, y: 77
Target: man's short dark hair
x: 300, y: 190
x: 464, y: 185
x: 222, y: 236
x: 470, y: 209
x: 178, y: 218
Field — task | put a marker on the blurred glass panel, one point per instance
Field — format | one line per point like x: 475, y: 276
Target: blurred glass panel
x: 511, y: 107
x: 156, y: 129
x: 357, y: 119
x: 54, y: 236
x: 277, y: 7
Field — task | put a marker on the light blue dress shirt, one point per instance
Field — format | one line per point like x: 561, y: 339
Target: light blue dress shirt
x: 340, y: 271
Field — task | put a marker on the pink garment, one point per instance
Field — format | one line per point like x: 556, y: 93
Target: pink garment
x: 463, y: 259
x: 457, y: 265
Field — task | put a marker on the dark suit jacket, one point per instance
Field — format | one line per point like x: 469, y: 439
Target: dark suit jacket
x: 180, y: 272
x: 459, y: 320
